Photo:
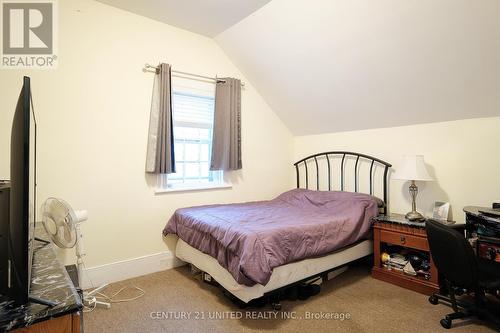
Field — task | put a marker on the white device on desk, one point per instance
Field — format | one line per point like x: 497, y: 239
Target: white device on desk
x: 62, y: 223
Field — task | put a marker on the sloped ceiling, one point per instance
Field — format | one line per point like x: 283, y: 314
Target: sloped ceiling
x: 206, y: 17
x: 327, y: 66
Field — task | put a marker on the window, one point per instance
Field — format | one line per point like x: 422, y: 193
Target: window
x: 193, y: 114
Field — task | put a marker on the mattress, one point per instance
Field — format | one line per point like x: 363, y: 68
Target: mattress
x: 253, y: 238
x: 281, y: 275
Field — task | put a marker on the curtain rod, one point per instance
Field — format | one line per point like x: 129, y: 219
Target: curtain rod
x: 149, y: 68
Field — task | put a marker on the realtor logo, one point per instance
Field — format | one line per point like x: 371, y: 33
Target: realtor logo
x: 28, y: 34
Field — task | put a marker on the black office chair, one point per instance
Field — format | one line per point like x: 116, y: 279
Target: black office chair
x: 461, y: 270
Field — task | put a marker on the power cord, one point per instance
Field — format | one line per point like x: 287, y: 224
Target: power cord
x: 111, y: 299
x: 90, y: 302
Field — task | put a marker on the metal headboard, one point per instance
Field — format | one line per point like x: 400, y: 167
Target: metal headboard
x: 359, y: 158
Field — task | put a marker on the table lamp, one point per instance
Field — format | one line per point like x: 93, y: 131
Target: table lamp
x: 413, y: 169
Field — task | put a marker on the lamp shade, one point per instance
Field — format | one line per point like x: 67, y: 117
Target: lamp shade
x: 413, y: 168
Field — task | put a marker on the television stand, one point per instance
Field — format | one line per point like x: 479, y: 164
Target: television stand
x: 61, y: 307
x: 38, y: 300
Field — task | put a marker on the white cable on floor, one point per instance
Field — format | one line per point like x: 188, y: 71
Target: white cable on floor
x: 89, y: 300
x: 92, y: 300
x: 111, y: 299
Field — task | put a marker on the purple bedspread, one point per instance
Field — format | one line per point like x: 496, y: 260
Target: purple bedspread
x: 250, y: 239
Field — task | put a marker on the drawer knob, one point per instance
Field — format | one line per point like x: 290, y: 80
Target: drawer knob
x: 403, y: 239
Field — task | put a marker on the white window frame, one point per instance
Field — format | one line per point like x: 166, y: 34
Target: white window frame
x: 183, y: 86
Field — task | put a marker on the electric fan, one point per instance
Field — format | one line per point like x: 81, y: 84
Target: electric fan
x: 62, y: 223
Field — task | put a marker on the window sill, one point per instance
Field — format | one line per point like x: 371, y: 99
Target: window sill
x: 198, y: 187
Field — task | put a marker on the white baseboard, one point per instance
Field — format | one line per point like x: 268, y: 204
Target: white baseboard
x: 130, y: 268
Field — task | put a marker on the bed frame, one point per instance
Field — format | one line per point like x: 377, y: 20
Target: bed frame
x: 311, y: 166
x: 273, y: 297
x: 305, y: 165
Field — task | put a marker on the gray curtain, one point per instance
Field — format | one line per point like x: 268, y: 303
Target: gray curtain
x: 160, y: 155
x: 226, y: 144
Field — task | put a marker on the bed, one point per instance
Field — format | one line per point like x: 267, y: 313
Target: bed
x: 259, y: 248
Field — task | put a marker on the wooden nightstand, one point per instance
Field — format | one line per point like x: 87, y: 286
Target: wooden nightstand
x: 395, y: 230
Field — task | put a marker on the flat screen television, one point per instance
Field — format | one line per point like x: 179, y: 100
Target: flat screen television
x: 22, y: 197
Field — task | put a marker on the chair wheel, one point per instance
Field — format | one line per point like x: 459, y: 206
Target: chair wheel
x: 433, y: 299
x: 446, y: 323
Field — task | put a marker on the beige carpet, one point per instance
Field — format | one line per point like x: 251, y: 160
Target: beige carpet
x: 373, y: 306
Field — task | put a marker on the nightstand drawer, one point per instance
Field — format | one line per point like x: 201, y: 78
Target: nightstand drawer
x: 405, y: 240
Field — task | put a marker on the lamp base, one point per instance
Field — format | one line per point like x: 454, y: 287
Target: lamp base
x: 414, y: 216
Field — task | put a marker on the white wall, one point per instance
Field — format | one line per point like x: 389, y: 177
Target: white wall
x: 360, y: 64
x: 93, y: 114
x: 462, y: 156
